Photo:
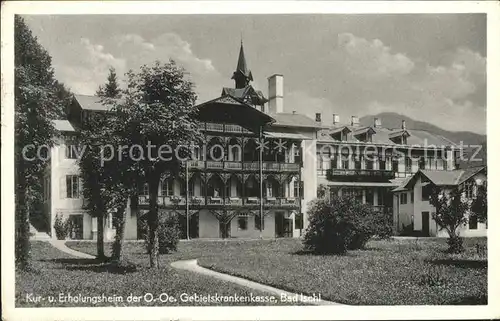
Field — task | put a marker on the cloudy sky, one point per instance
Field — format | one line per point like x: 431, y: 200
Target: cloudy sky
x: 427, y: 67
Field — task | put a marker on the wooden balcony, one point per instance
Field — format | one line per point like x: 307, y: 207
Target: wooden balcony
x: 333, y: 174
x: 246, y: 166
x: 210, y: 202
x: 226, y: 128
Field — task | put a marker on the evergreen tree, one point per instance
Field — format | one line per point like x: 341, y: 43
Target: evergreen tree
x: 111, y: 88
x: 36, y: 104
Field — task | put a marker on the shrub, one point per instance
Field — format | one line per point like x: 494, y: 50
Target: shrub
x: 61, y: 227
x: 168, y: 234
x: 340, y: 224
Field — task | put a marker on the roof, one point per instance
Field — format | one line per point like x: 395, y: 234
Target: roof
x: 293, y: 120
x: 88, y: 102
x: 63, y: 125
x: 229, y: 108
x: 401, y: 183
x: 444, y: 178
x: 242, y: 64
x: 383, y: 136
x: 357, y: 184
x: 364, y: 130
x: 242, y: 93
x: 285, y: 135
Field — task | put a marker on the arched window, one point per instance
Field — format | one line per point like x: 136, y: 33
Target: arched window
x: 166, y: 187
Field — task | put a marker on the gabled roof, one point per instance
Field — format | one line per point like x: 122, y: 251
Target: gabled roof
x: 399, y: 133
x: 338, y: 130
x: 363, y: 130
x: 63, y: 125
x: 293, y: 120
x: 229, y: 108
x: 88, y: 102
x: 443, y: 178
x: 242, y: 93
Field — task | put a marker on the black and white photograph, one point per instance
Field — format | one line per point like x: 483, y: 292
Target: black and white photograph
x: 247, y: 159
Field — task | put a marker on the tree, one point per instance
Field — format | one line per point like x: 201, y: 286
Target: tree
x: 36, y: 105
x: 479, y: 206
x: 111, y: 88
x: 450, y: 214
x: 157, y: 113
x: 322, y: 191
x: 340, y: 224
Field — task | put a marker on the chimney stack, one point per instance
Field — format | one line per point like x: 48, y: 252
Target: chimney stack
x: 336, y: 119
x: 354, y: 121
x: 403, y: 124
x: 377, y: 122
x: 275, y: 89
x: 318, y: 117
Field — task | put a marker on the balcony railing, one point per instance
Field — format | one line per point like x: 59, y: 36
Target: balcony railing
x: 194, y: 201
x: 227, y: 128
x: 365, y: 173
x: 237, y: 165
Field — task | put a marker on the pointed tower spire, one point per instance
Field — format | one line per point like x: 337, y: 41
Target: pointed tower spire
x: 242, y: 76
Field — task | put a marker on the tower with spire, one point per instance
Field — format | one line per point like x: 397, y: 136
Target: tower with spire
x: 242, y: 75
x: 243, y: 90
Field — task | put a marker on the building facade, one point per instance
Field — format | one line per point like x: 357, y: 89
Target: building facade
x: 260, y: 168
x: 232, y: 186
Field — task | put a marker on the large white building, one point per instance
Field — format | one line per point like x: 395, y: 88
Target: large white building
x: 224, y: 194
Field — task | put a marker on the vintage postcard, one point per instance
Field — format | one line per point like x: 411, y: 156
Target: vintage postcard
x: 249, y: 160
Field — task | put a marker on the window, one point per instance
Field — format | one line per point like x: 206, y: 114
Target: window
x: 412, y: 197
x: 357, y: 162
x: 369, y: 196
x: 167, y: 187
x: 145, y: 190
x: 318, y: 117
x: 472, y: 222
x: 70, y: 151
x: 403, y: 198
x: 395, y: 165
x: 408, y: 164
x: 72, y: 186
x: 243, y: 223
x: 421, y: 163
x: 381, y: 164
x: 369, y: 164
x: 426, y: 192
x: 469, y: 189
x: 345, y: 163
x: 258, y: 222
x: 380, y: 197
x: 333, y: 162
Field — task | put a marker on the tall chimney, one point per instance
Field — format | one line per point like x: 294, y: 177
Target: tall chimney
x: 318, y: 117
x: 354, y: 121
x: 275, y: 93
x: 403, y: 124
x: 377, y: 122
x: 336, y: 119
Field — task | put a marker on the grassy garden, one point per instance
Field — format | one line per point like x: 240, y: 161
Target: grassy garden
x: 388, y: 272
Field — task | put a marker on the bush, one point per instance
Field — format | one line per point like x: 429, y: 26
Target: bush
x: 168, y: 234
x: 61, y: 227
x: 340, y: 224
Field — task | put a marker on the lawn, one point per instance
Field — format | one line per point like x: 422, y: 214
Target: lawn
x: 391, y: 272
x: 55, y: 273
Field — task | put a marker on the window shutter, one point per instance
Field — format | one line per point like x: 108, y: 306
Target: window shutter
x: 301, y: 189
x: 62, y: 187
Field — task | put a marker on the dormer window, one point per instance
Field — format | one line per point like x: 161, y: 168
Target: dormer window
x: 400, y: 137
x: 340, y: 134
x: 364, y: 134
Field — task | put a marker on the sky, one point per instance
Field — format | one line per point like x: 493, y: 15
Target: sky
x: 427, y: 67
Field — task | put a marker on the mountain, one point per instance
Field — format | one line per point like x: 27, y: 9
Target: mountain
x: 393, y: 120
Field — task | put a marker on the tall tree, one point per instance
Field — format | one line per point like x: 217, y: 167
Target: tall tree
x: 450, y: 214
x: 111, y: 88
x: 157, y: 114
x: 36, y: 104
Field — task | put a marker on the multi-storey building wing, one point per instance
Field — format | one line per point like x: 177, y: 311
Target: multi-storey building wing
x: 252, y: 178
x: 261, y: 166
